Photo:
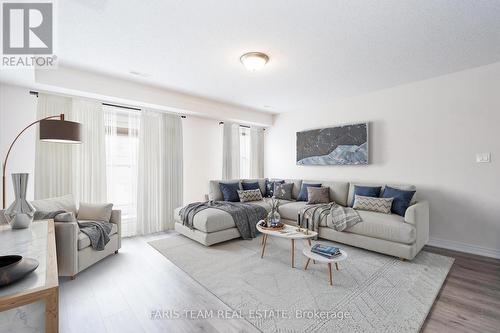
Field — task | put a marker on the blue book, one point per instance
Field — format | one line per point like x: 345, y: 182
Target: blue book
x: 329, y: 256
x: 325, y: 249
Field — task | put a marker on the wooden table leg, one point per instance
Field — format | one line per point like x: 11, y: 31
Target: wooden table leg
x: 310, y: 245
x: 52, y: 311
x: 337, y: 266
x: 293, y: 253
x: 263, y: 245
x: 307, y: 263
x: 330, y: 273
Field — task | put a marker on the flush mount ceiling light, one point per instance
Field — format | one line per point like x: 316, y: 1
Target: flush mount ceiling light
x: 254, y: 61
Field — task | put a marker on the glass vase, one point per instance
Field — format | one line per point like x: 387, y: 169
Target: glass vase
x: 273, y: 219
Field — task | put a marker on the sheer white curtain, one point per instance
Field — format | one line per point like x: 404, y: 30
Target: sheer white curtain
x: 53, y: 161
x: 231, y: 151
x: 159, y: 188
x: 77, y: 169
x: 89, y: 157
x: 256, y: 153
x: 122, y: 145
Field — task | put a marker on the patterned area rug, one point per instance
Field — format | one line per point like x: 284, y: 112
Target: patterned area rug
x: 371, y: 292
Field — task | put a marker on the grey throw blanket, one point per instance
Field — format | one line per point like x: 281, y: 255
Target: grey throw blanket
x: 245, y: 215
x: 342, y: 218
x: 310, y: 216
x: 97, y: 231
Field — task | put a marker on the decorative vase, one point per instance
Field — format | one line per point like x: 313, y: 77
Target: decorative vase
x: 20, y: 214
x: 273, y: 219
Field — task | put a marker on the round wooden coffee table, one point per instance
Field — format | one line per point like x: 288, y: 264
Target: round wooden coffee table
x: 319, y: 258
x: 288, y: 232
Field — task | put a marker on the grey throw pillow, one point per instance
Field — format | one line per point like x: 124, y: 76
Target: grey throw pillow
x: 380, y: 205
x: 94, y: 212
x: 250, y: 195
x: 318, y: 195
x: 283, y: 191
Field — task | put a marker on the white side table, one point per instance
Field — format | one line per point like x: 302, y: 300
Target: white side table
x: 288, y: 232
x: 319, y: 258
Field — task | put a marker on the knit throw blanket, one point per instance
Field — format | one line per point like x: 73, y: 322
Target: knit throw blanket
x: 97, y: 231
x: 245, y: 215
x: 342, y: 218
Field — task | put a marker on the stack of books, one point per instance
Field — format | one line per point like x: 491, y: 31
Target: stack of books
x: 326, y: 250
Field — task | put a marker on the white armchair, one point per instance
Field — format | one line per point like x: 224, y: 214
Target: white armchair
x: 74, y: 252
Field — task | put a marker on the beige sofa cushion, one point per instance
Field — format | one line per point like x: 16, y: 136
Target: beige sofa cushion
x: 66, y: 202
x: 210, y: 220
x: 290, y: 209
x: 84, y: 240
x: 94, y: 212
x: 390, y: 227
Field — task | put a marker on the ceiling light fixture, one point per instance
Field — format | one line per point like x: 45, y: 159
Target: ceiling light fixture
x: 254, y: 61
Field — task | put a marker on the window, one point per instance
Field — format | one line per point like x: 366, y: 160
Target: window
x: 244, y: 152
x: 122, y: 140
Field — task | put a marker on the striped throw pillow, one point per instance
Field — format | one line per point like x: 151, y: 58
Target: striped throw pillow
x: 249, y: 195
x: 380, y: 205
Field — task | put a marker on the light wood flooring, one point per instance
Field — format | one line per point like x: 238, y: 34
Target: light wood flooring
x: 120, y: 293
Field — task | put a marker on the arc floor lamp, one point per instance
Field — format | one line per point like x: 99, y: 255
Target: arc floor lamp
x: 52, y: 129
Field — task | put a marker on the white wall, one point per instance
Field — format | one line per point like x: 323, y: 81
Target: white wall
x: 202, y: 144
x: 17, y: 109
x: 424, y: 133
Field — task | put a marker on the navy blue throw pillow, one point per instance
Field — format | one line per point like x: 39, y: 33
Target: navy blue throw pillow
x: 401, y: 200
x: 366, y: 191
x: 303, y: 191
x: 270, y: 187
x: 230, y: 191
x: 250, y: 186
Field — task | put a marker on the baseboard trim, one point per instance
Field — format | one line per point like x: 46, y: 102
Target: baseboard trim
x: 464, y: 247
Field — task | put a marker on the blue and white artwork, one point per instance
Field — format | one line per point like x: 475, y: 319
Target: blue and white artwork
x: 342, y: 145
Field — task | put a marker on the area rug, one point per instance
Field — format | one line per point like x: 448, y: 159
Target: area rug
x: 371, y: 292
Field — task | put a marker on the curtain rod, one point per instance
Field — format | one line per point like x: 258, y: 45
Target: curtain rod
x: 244, y: 126
x: 35, y: 93
x: 121, y: 106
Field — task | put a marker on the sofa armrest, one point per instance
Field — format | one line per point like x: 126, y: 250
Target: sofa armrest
x: 67, y: 247
x: 418, y: 216
x: 116, y: 218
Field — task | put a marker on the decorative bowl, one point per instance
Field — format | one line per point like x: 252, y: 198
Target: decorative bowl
x: 14, y: 268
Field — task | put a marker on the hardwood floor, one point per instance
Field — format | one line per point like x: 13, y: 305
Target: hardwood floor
x: 469, y: 300
x: 120, y: 293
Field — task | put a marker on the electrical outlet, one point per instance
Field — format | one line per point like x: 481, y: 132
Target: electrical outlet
x: 483, y: 158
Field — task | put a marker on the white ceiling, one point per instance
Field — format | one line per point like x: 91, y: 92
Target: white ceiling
x: 320, y: 50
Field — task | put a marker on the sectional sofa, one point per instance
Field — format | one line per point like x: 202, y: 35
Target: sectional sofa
x: 390, y: 234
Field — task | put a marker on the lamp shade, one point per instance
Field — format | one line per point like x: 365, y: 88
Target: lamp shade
x: 61, y: 131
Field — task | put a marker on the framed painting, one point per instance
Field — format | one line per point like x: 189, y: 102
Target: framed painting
x: 340, y: 145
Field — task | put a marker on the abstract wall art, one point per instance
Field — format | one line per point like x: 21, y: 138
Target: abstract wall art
x: 341, y: 145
